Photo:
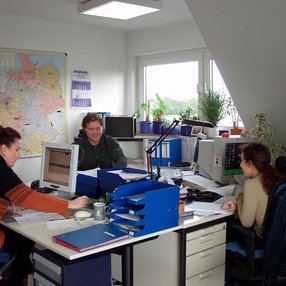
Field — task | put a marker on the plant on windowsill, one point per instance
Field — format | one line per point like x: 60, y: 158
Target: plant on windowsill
x: 145, y: 125
x: 264, y: 131
x: 186, y: 129
x: 232, y: 111
x: 158, y: 112
x: 213, y: 107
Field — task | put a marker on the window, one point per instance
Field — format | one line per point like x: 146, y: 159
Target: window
x: 179, y: 79
x: 175, y: 77
x: 218, y: 84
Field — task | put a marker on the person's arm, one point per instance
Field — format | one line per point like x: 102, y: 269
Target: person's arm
x: 116, y: 152
x: 25, y: 197
x: 247, y: 204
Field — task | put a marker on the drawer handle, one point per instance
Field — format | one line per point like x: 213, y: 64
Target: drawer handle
x: 206, y: 274
x: 206, y: 253
x: 206, y: 238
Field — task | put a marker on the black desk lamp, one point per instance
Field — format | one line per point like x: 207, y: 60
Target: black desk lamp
x: 157, y: 143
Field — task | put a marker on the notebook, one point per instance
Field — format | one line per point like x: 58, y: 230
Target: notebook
x: 90, y: 237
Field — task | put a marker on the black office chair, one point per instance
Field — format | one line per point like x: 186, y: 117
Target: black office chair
x: 6, y: 264
x: 244, y: 257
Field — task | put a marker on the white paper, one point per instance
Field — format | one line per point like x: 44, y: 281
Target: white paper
x: 201, y: 181
x: 91, y: 173
x: 205, y: 207
x: 37, y: 219
x: 62, y: 223
x: 129, y: 176
x: 129, y: 216
x: 223, y: 191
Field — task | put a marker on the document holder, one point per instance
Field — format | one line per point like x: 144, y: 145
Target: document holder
x: 144, y: 207
x: 110, y: 179
x: 87, y: 186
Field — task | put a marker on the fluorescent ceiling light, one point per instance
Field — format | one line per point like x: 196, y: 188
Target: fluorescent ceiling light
x: 119, y: 9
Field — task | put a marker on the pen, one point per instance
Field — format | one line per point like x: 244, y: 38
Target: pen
x: 110, y: 234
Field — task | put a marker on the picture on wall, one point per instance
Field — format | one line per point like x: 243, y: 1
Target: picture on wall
x: 32, y: 97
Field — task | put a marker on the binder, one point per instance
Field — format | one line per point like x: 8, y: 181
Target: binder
x: 90, y: 237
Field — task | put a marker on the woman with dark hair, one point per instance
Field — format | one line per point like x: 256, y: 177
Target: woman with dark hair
x: 97, y: 149
x: 14, y: 192
x: 251, y: 200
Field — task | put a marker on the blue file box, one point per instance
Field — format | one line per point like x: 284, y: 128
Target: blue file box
x: 111, y: 181
x: 147, y: 206
x: 87, y: 185
x: 170, y: 151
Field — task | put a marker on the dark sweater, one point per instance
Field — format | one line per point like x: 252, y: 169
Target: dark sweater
x: 106, y: 154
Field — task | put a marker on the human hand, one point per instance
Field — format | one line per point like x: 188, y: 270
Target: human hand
x: 78, y: 203
x: 229, y: 205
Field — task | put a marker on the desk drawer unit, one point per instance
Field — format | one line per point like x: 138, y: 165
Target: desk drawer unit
x: 213, y: 277
x: 205, y: 256
x: 51, y: 269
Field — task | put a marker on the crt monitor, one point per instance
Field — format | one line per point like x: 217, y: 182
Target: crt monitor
x: 59, y: 168
x: 219, y: 158
x: 120, y: 126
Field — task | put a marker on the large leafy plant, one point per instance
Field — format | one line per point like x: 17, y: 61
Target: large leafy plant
x: 159, y: 109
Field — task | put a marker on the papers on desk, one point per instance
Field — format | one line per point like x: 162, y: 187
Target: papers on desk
x: 37, y: 218
x: 129, y: 176
x: 201, y: 208
x: 91, y: 173
x: 224, y: 191
x: 199, y: 182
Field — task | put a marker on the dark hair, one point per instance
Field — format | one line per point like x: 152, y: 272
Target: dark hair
x: 259, y: 155
x: 8, y: 135
x: 91, y: 116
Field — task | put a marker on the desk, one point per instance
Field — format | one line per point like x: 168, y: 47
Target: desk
x: 43, y: 236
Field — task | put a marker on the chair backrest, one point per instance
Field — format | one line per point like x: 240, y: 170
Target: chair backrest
x: 275, y: 234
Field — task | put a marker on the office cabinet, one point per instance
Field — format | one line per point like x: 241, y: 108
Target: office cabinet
x: 205, y: 256
x: 51, y: 269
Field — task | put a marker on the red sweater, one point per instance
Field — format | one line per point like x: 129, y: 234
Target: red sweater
x: 25, y: 197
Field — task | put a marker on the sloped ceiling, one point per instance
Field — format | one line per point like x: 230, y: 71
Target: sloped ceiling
x: 247, y: 40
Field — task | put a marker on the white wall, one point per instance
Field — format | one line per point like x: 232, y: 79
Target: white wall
x: 177, y: 37
x: 247, y: 40
x: 99, y: 50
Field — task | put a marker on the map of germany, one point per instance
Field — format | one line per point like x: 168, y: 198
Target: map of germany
x: 32, y: 97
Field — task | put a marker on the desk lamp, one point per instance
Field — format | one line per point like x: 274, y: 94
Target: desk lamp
x: 157, y: 143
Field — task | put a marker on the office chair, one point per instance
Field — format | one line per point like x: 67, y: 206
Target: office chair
x: 6, y: 264
x: 245, y: 258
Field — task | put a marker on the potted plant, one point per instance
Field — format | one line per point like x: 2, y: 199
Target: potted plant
x: 213, y: 107
x: 145, y: 126
x: 232, y: 111
x: 165, y: 124
x: 186, y: 129
x: 264, y: 132
x: 158, y: 112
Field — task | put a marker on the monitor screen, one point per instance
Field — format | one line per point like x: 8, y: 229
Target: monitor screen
x: 219, y: 158
x: 59, y: 167
x: 121, y: 126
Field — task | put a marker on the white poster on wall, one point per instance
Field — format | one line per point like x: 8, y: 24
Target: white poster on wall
x: 81, y: 88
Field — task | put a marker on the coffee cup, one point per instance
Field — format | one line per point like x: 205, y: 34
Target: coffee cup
x: 99, y: 211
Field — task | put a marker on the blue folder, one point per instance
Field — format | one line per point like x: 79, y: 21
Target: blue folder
x: 90, y: 237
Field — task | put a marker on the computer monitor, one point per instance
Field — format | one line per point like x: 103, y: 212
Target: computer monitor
x: 219, y: 158
x: 120, y: 126
x: 59, y: 168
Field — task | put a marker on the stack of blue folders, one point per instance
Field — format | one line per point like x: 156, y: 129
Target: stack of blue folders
x: 144, y: 207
